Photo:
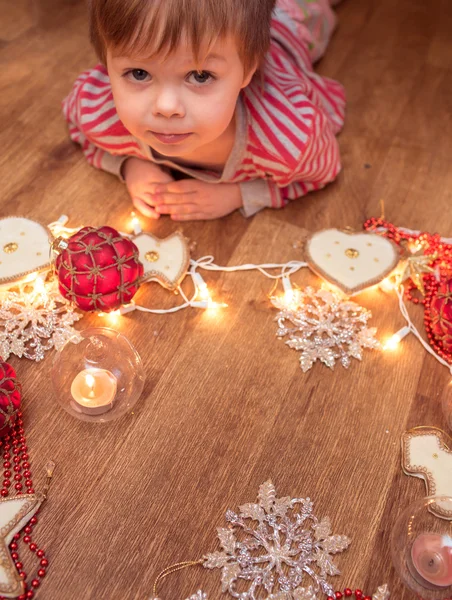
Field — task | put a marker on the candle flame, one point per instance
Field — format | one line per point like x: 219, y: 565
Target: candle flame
x: 90, y: 381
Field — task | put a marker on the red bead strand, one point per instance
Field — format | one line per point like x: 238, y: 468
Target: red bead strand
x: 348, y: 593
x: 434, y: 288
x: 14, y: 448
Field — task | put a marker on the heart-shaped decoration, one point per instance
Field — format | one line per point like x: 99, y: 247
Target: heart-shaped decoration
x: 351, y: 261
x: 24, y: 248
x: 165, y: 260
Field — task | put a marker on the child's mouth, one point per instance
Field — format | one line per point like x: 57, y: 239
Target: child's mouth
x: 171, y: 138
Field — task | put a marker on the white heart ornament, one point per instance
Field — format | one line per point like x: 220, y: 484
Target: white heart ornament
x: 351, y: 261
x: 24, y: 248
x: 165, y: 260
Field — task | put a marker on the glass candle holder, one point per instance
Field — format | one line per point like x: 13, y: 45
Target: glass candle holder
x: 421, y: 548
x: 98, y: 375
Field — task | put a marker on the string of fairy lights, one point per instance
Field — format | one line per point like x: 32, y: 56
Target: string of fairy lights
x: 202, y: 297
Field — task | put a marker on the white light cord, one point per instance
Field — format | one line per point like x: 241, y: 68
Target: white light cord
x: 289, y: 268
x: 403, y: 309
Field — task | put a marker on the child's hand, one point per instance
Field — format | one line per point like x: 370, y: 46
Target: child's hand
x: 141, y: 177
x: 190, y: 199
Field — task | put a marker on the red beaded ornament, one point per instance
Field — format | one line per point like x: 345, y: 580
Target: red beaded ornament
x: 438, y: 318
x: 98, y: 269
x: 14, y: 447
x: 10, y: 394
x: 438, y: 290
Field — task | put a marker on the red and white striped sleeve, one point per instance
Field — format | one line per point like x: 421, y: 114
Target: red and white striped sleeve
x: 94, y: 124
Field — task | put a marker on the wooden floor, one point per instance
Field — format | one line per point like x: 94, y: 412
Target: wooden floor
x: 226, y: 406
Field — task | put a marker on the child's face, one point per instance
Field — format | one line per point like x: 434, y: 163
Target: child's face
x: 174, y: 105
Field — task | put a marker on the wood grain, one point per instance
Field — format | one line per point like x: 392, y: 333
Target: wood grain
x: 226, y: 405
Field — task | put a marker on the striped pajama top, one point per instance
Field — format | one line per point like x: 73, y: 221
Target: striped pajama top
x: 287, y: 120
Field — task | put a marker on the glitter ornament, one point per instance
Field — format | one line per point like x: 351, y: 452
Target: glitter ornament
x: 257, y: 556
x: 439, y: 309
x: 325, y: 326
x: 10, y: 395
x: 34, y: 318
x: 98, y: 269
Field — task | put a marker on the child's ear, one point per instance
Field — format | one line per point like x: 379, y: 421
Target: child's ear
x: 249, y: 76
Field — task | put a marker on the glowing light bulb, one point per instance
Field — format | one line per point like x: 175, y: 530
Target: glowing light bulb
x: 211, y: 305
x: 203, y: 292
x: 39, y: 285
x: 394, y: 341
x: 387, y: 285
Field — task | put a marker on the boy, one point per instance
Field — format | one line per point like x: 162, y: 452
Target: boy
x: 222, y: 91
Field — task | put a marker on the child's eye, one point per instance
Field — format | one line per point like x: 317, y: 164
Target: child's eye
x: 200, y: 77
x: 138, y: 75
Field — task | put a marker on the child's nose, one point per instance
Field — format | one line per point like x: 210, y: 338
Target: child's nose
x: 167, y: 103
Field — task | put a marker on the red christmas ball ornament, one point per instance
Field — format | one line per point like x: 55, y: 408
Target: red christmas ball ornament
x: 98, y: 269
x: 10, y: 394
x: 438, y: 318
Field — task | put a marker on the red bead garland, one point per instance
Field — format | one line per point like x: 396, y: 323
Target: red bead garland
x: 438, y: 293
x: 348, y: 593
x: 10, y: 396
x: 16, y: 443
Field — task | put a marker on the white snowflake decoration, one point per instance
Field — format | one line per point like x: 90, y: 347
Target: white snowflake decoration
x: 325, y: 326
x: 283, y: 543
x: 301, y: 594
x: 34, y: 318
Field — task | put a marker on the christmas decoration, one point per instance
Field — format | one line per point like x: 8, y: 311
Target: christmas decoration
x: 24, y: 249
x: 351, y: 261
x: 270, y: 547
x: 438, y: 317
x: 324, y: 326
x: 415, y: 265
x: 164, y: 260
x: 427, y: 454
x: 98, y: 269
x: 381, y: 594
x: 430, y: 271
x: 10, y: 396
x: 17, y: 516
x: 258, y: 557
x: 34, y: 318
x: 421, y: 547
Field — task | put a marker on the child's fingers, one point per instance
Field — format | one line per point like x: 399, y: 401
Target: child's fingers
x: 144, y: 208
x: 189, y: 217
x: 177, y: 209
x: 169, y: 198
x: 183, y: 186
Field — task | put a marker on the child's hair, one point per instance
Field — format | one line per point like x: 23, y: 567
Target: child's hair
x: 135, y: 26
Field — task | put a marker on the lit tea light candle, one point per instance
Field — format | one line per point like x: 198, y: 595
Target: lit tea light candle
x: 94, y: 391
x: 431, y: 554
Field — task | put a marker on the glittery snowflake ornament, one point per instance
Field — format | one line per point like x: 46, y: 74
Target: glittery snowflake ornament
x: 270, y: 547
x: 34, y: 318
x: 381, y: 594
x: 324, y: 326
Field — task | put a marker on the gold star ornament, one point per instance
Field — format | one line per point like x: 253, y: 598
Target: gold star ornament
x: 415, y: 265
